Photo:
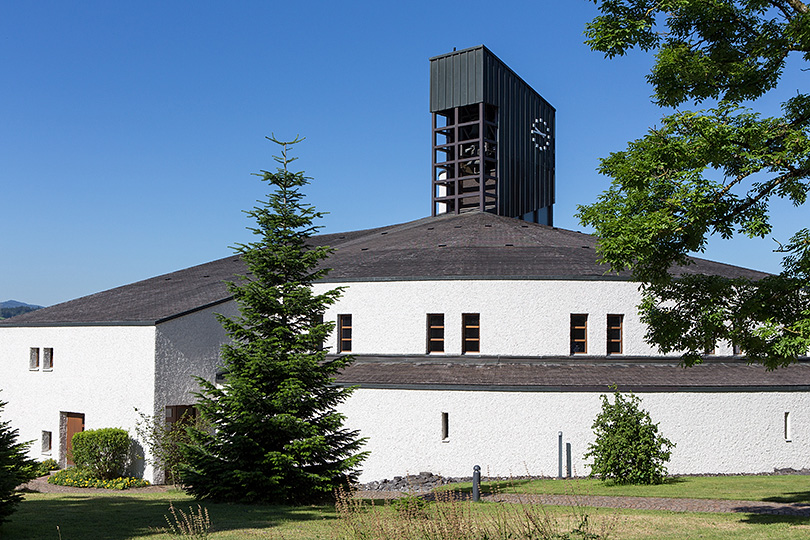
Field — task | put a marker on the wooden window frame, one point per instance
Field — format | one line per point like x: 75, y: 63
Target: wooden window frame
x: 620, y: 328
x: 470, y: 321
x: 435, y: 333
x: 575, y: 327
x: 344, y: 335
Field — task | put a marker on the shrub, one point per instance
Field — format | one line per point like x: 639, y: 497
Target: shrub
x: 85, y: 478
x: 105, y: 451
x: 164, y: 440
x: 15, y: 468
x: 45, y: 467
x: 628, y: 448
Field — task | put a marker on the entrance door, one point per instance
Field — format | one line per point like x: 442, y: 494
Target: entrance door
x: 74, y: 424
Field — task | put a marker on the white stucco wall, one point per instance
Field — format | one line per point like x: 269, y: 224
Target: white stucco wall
x: 518, y: 317
x: 186, y: 347
x: 103, y: 372
x: 517, y: 432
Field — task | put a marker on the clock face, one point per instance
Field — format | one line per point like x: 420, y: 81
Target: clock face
x: 541, y: 135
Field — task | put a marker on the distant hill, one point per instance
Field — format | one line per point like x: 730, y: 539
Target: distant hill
x: 10, y: 308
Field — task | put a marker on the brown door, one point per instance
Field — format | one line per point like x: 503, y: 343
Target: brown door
x: 75, y: 424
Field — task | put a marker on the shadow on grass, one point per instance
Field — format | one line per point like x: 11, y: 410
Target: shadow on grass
x: 793, y: 497
x: 771, y: 519
x: 119, y: 517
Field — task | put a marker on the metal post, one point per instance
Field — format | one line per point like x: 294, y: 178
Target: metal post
x: 568, y: 459
x: 559, y: 455
x: 476, y: 490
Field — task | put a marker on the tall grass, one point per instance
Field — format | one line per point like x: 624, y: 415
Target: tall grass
x: 452, y: 516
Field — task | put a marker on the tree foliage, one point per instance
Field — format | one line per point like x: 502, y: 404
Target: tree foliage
x: 628, y: 448
x: 277, y: 437
x: 710, y: 172
x: 15, y: 468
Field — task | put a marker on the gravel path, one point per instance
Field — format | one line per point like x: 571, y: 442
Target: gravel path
x: 600, y: 501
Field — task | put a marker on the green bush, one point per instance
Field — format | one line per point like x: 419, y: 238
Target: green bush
x: 85, y: 478
x: 45, y: 467
x: 628, y: 448
x: 105, y: 451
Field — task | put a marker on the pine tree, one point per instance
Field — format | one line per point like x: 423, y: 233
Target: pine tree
x: 15, y: 468
x: 277, y: 437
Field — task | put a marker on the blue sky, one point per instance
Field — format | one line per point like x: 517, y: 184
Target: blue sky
x: 129, y: 131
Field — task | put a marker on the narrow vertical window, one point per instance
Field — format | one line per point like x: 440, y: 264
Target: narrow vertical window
x: 736, y: 349
x: 788, y: 434
x: 471, y: 333
x: 614, y: 334
x: 445, y: 426
x: 47, y: 358
x: 33, y: 360
x: 344, y: 333
x: 579, y: 334
x: 435, y: 332
x: 46, y: 442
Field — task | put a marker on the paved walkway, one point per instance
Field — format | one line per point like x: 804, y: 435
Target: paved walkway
x: 635, y: 503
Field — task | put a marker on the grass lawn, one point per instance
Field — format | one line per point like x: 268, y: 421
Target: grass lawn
x: 783, y: 488
x: 133, y: 515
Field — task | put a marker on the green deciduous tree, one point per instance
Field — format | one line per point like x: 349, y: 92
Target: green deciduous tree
x: 628, y: 448
x: 15, y: 468
x: 277, y: 436
x: 710, y: 172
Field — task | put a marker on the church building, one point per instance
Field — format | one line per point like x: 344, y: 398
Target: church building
x: 482, y: 334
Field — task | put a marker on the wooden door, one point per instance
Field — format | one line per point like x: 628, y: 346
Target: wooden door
x: 75, y: 424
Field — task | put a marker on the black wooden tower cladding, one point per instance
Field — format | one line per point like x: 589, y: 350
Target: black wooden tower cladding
x: 493, y: 139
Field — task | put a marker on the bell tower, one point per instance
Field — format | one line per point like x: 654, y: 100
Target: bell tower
x: 493, y: 139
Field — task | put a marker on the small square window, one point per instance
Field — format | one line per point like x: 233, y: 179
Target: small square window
x: 33, y: 361
x: 46, y: 442
x: 47, y: 359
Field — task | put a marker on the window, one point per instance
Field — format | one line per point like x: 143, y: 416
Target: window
x: 445, y: 427
x: 710, y: 349
x: 344, y: 333
x: 471, y: 333
x: 47, y: 358
x: 46, y: 442
x: 579, y: 334
x: 788, y: 435
x: 33, y: 362
x: 736, y: 349
x: 180, y: 413
x: 435, y: 332
x: 614, y: 334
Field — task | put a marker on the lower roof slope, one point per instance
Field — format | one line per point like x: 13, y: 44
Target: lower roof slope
x: 467, y: 246
x: 572, y: 374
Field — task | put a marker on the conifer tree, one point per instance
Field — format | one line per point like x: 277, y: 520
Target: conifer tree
x: 277, y: 437
x: 15, y: 468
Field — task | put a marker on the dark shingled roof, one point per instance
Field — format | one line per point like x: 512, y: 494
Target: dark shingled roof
x: 572, y: 374
x: 473, y: 245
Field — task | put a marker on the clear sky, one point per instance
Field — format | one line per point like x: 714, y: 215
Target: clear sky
x: 129, y: 130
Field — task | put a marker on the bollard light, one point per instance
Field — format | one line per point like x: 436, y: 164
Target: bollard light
x: 476, y: 491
